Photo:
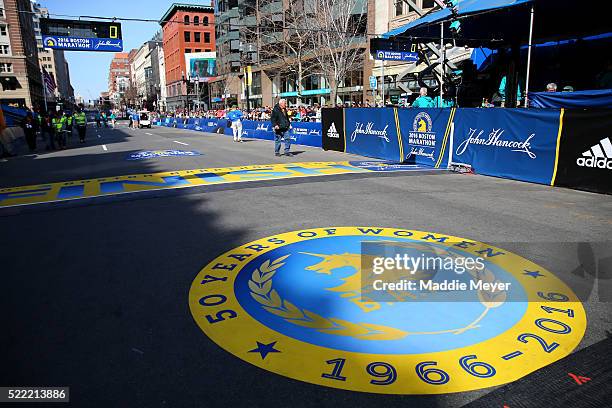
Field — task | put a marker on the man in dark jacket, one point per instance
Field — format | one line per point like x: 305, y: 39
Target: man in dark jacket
x: 281, y: 124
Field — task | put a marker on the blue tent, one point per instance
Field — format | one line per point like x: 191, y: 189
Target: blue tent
x: 499, y: 23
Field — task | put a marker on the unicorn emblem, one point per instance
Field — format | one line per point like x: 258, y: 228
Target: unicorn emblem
x: 422, y: 126
x: 351, y: 287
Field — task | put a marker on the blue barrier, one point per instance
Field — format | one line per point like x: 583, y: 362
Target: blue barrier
x: 519, y: 144
x: 372, y: 133
x: 306, y: 133
x: 303, y: 133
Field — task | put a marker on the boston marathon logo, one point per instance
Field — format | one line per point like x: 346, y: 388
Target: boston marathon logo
x: 299, y: 304
x: 495, y: 139
x: 422, y: 139
x: 368, y: 129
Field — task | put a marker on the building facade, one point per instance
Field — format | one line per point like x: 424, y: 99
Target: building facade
x: 242, y: 42
x: 20, y: 75
x: 118, y: 78
x: 186, y: 29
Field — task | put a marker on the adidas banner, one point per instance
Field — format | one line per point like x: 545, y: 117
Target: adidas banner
x: 332, y: 125
x: 518, y: 144
x: 425, y: 135
x: 585, y: 151
x: 372, y: 133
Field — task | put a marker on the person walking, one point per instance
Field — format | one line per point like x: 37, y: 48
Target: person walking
x: 281, y: 125
x: 69, y: 123
x: 235, y: 116
x: 29, y: 129
x: 59, y: 126
x: 47, y: 128
x: 81, y: 122
x: 113, y: 118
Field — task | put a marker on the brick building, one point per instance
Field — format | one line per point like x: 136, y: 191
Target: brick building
x: 186, y: 29
x: 118, y: 78
x: 20, y: 77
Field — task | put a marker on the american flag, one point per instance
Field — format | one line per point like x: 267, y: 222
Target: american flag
x: 49, y: 82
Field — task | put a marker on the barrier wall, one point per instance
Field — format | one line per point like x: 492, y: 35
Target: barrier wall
x: 302, y: 133
x: 548, y: 146
x: 518, y: 144
x: 585, y: 151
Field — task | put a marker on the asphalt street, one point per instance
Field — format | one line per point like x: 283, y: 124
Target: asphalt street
x: 95, y: 293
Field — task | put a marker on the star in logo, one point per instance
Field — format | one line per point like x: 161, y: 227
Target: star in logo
x: 533, y: 274
x: 264, y: 349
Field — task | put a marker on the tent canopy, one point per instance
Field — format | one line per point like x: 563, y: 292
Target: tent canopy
x: 499, y: 23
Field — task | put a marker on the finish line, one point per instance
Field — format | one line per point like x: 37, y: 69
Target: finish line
x: 110, y: 186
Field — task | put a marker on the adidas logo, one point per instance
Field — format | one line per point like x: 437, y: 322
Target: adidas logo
x: 598, y: 156
x: 332, y: 132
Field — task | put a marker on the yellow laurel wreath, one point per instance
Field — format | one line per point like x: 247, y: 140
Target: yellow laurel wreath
x: 262, y: 291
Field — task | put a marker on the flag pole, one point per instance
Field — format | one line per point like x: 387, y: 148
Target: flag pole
x: 529, y: 59
x: 44, y: 85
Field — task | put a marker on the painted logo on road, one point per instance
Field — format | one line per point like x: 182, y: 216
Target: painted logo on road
x: 292, y: 304
x: 150, y: 154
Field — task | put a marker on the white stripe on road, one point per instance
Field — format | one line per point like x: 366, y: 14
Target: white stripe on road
x: 105, y: 148
x: 185, y: 144
x: 150, y: 134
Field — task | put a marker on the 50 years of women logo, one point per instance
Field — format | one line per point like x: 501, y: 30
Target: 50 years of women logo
x: 293, y: 304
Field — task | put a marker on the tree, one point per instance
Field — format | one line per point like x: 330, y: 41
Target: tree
x: 339, y: 40
x: 283, y: 41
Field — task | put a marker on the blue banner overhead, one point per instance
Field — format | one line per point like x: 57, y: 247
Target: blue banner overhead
x: 82, y: 44
x: 81, y: 35
x: 372, y: 133
x: 513, y: 143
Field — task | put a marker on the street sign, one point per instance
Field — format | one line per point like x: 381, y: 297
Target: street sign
x: 397, y: 56
x: 373, y: 82
x: 81, y: 35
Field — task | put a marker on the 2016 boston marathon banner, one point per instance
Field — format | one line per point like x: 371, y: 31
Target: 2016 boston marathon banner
x: 585, y: 151
x: 141, y: 183
x: 513, y: 143
x: 295, y: 304
x: 425, y: 135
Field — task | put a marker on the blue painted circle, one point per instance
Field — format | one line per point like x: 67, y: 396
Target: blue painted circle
x: 308, y: 289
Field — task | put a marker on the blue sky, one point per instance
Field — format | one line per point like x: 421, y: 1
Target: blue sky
x: 89, y: 70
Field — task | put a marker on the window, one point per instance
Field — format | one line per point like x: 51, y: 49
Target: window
x: 196, y: 20
x: 2, y: 12
x: 207, y: 50
x: 198, y: 50
x: 187, y: 36
x: 3, y: 30
x: 205, y: 21
x: 197, y: 37
x: 4, y: 49
x: 186, y: 20
x: 399, y: 7
x: 207, y: 37
x: 187, y: 50
x: 428, y: 4
x: 6, y: 67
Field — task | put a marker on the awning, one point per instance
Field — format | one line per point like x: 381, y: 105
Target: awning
x: 464, y: 8
x: 499, y: 23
